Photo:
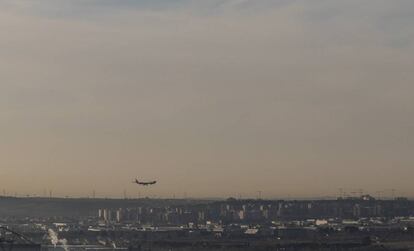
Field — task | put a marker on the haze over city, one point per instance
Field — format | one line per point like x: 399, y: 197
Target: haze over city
x: 211, y: 98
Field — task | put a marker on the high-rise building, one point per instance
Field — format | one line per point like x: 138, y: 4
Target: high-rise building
x: 119, y: 215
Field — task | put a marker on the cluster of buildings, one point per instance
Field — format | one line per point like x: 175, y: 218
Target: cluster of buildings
x: 258, y: 211
x: 348, y: 221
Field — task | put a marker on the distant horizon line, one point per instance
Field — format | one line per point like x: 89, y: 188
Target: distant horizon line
x: 290, y: 198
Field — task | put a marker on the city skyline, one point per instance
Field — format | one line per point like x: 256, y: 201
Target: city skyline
x: 138, y: 194
x: 212, y: 98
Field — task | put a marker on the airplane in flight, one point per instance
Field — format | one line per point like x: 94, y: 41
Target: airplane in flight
x: 142, y: 183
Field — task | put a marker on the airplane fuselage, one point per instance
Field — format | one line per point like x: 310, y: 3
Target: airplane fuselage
x: 145, y: 183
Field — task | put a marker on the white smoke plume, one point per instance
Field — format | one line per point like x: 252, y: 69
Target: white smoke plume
x: 54, y: 239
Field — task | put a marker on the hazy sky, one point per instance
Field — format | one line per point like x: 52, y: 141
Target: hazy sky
x: 210, y: 97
